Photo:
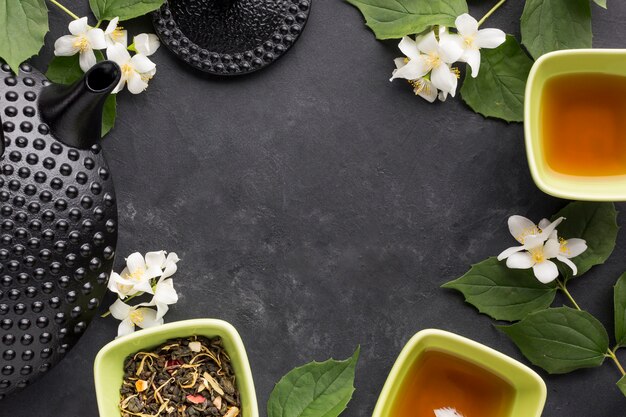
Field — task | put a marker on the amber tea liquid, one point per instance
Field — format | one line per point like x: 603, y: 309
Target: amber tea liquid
x: 438, y: 380
x: 583, y: 119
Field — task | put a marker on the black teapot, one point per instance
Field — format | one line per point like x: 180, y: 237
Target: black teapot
x: 58, y: 216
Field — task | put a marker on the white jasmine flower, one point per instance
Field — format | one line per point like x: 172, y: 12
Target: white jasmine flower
x: 426, y: 54
x: 146, y: 43
x: 115, y: 34
x: 538, y: 258
x: 164, y: 296
x: 132, y: 316
x: 569, y: 248
x: 136, y: 71
x: 83, y: 40
x: 471, y: 40
x: 136, y: 277
x: 447, y: 412
x: 421, y: 86
x: 522, y: 229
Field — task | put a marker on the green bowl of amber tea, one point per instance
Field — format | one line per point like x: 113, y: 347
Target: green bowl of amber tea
x: 575, y: 124
x: 441, y: 374
x: 171, y: 369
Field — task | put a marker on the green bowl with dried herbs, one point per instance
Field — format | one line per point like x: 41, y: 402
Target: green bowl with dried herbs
x: 109, y: 364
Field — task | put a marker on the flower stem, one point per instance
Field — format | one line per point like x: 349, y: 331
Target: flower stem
x: 65, y: 9
x: 610, y: 353
x: 490, y: 12
x: 563, y: 288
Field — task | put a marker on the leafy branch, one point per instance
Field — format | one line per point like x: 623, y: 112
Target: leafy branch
x: 557, y: 339
x: 498, y: 90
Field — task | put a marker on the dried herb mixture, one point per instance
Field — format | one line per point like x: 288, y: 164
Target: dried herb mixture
x: 190, y: 377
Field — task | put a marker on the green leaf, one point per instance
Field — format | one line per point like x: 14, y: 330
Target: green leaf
x: 314, y: 390
x: 64, y: 70
x: 503, y: 293
x: 621, y: 384
x: 124, y: 9
x: 498, y: 91
x: 601, y: 3
x: 619, y: 304
x: 393, y: 19
x: 560, y: 340
x: 23, y: 26
x: 594, y: 222
x: 109, y: 113
x: 550, y: 25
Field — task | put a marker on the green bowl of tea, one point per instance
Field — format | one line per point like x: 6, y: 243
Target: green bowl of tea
x: 441, y: 374
x: 198, y: 367
x: 575, y: 124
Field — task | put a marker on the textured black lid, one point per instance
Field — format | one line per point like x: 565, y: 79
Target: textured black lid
x: 230, y: 37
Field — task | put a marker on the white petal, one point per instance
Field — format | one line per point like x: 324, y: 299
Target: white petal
x: 534, y: 242
x: 144, y: 285
x: 551, y: 248
x: 118, y: 54
x: 142, y: 63
x: 64, y: 46
x: 162, y: 310
x: 520, y: 227
x: 428, y: 43
x: 428, y: 92
x: 112, y: 25
x: 400, y: 62
x: 409, y: 47
x: 447, y: 412
x: 520, y: 260
x: 546, y: 271
x: 78, y: 26
x: 444, y: 79
x: 125, y: 327
x: 472, y: 57
x: 148, y: 318
x: 119, y: 86
x: 569, y: 263
x: 96, y: 38
x: 87, y: 59
x: 416, y: 68
x: 135, y: 84
x: 135, y: 263
x: 120, y: 310
x: 543, y: 223
x: 155, y: 259
x: 510, y: 251
x: 489, y: 38
x: 443, y: 95
x: 466, y: 25
x: 449, y: 50
x: 547, y: 231
x: 574, y: 247
x: 165, y: 292
x: 147, y: 44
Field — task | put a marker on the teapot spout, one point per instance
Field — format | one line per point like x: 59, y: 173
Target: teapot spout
x: 74, y: 112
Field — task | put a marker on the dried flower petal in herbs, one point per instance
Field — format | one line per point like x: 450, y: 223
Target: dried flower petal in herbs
x: 190, y: 377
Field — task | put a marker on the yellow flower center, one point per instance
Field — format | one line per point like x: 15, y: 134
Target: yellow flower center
x: 136, y: 316
x: 563, y: 248
x: 433, y: 60
x: 117, y: 34
x: 127, y: 71
x: 537, y: 255
x: 469, y: 41
x: 456, y: 72
x: 420, y: 86
x: 82, y: 44
x: 527, y: 232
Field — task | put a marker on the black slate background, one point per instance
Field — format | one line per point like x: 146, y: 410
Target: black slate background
x: 316, y: 206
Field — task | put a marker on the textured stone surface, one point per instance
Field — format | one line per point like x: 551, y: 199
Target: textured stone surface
x: 317, y: 206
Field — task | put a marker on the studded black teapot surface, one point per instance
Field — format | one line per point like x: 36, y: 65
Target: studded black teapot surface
x: 58, y: 217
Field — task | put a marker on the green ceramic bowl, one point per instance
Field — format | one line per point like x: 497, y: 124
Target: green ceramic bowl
x: 607, y: 61
x: 529, y: 389
x: 108, y: 366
